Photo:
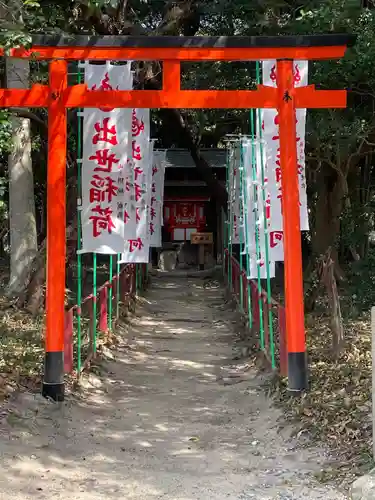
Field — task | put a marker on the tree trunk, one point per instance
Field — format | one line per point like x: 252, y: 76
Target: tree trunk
x: 329, y: 206
x: 337, y: 328
x: 177, y: 124
x: 32, y: 297
x: 22, y: 221
x: 179, y: 17
x: 179, y: 129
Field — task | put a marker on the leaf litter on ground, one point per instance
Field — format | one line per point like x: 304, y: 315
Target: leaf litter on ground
x: 336, y: 410
x: 21, y: 349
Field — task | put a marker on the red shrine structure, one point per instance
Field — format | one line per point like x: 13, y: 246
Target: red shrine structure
x: 57, y: 97
x: 188, y: 204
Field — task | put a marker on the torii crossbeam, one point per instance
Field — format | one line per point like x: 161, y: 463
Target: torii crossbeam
x: 58, y: 97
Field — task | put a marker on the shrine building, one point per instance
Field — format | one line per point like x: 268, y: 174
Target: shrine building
x: 188, y: 206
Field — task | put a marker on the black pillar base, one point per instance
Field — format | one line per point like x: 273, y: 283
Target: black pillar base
x: 53, y: 383
x: 201, y: 267
x: 297, y: 372
x: 56, y: 392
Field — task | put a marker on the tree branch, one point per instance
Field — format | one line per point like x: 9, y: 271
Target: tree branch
x: 25, y: 113
x: 179, y: 16
x: 218, y: 191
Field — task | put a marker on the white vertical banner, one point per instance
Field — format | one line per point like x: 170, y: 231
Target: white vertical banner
x: 249, y: 206
x: 136, y: 249
x: 270, y: 133
x: 257, y: 208
x: 235, y: 192
x: 164, y: 164
x: 231, y: 191
x: 130, y: 222
x: 104, y: 157
x: 262, y: 268
x: 150, y: 189
x: 157, y: 195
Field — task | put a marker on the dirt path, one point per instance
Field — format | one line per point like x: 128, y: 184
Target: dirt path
x: 159, y: 423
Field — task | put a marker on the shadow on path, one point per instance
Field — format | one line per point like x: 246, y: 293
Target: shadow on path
x: 157, y: 422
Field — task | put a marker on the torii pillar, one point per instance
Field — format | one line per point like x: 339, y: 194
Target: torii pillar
x: 58, y: 97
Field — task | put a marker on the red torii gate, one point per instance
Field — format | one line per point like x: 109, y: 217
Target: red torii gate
x: 58, y: 97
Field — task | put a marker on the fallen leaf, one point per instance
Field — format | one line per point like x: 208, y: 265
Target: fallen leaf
x: 194, y: 439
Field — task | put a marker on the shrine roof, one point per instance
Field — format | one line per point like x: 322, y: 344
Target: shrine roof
x: 181, y: 158
x: 195, y: 42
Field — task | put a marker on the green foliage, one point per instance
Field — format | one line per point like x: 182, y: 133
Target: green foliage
x: 5, y: 132
x: 360, y: 288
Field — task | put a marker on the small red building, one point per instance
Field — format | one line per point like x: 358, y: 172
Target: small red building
x: 184, y: 216
x: 188, y: 206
